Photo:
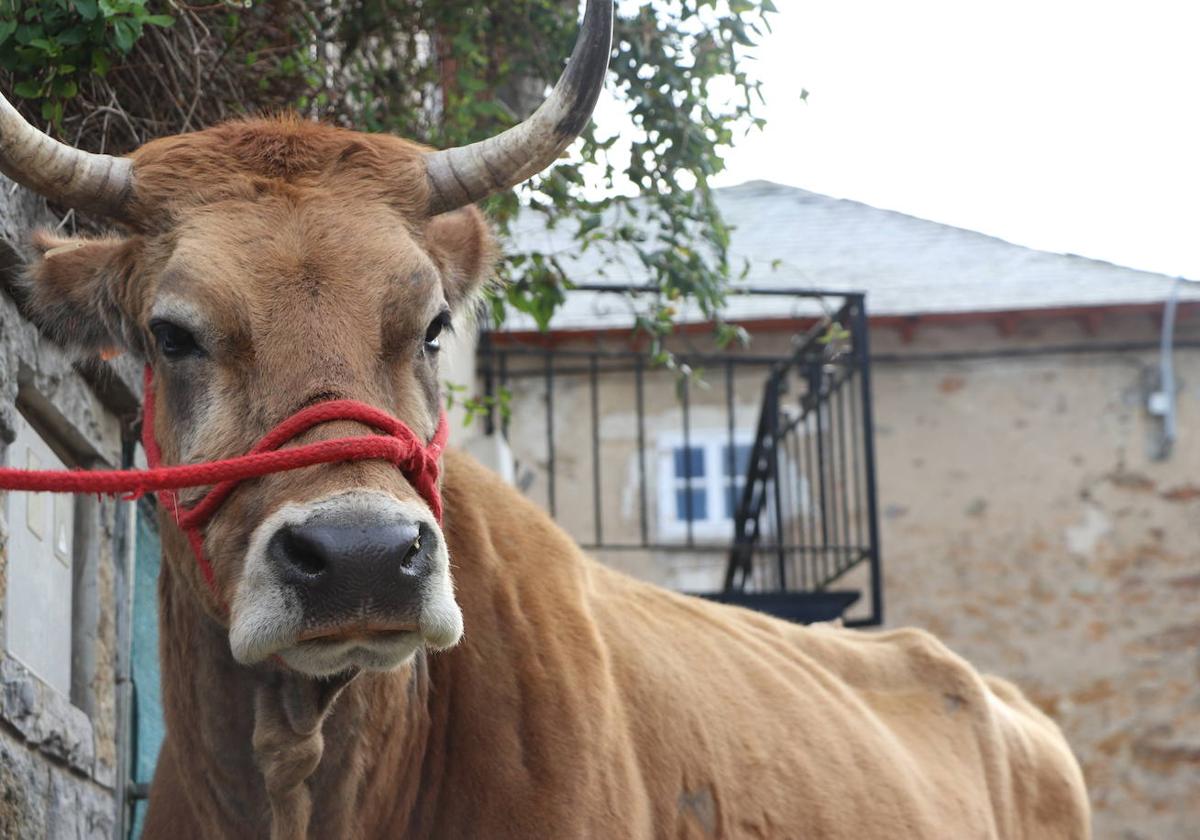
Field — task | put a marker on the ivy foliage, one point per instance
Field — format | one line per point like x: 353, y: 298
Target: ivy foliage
x: 110, y: 74
x: 49, y: 46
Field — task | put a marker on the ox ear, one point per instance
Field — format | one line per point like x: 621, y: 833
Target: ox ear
x: 79, y: 290
x: 464, y: 250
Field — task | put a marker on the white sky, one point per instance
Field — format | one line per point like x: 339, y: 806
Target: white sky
x: 1063, y: 125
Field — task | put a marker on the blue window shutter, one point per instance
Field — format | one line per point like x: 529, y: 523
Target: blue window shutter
x: 691, y: 464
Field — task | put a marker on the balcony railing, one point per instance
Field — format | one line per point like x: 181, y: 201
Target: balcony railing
x: 752, y: 474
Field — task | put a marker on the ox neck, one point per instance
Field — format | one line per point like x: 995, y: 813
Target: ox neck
x: 210, y: 706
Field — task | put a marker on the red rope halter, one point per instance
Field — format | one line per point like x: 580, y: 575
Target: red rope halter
x: 397, y: 444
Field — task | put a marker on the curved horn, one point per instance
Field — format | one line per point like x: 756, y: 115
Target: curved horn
x: 69, y: 176
x: 465, y: 174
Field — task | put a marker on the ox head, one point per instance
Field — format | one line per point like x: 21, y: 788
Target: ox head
x: 270, y: 265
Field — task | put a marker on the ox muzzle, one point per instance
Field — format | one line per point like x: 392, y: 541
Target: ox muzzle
x: 355, y: 580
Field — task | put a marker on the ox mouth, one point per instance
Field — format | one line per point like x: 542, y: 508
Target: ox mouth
x: 332, y: 650
x: 369, y: 633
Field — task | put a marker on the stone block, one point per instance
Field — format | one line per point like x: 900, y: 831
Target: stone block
x: 24, y: 791
x: 44, y: 718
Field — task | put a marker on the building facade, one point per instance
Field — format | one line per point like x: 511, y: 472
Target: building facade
x: 65, y: 575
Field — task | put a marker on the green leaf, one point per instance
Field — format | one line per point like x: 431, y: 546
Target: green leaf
x: 125, y: 33
x: 7, y: 28
x: 158, y: 20
x: 73, y: 36
x: 87, y: 9
x: 100, y: 62
x: 27, y: 32
x: 52, y: 111
x: 589, y: 224
x: 28, y: 89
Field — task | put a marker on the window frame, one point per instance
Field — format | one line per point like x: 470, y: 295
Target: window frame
x: 711, y: 442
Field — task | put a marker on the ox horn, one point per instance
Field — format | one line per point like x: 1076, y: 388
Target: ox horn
x: 466, y: 174
x: 64, y: 174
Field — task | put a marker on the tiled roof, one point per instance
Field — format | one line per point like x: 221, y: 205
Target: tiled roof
x: 907, y: 266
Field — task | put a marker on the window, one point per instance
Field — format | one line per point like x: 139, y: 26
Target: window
x: 701, y: 481
x: 41, y: 537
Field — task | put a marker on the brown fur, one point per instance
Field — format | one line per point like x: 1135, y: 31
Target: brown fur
x: 580, y: 703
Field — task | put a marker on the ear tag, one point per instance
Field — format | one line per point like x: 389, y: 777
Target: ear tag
x: 63, y: 249
x: 110, y: 353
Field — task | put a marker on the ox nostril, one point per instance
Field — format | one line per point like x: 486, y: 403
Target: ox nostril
x: 297, y: 551
x: 412, y: 554
x: 304, y: 555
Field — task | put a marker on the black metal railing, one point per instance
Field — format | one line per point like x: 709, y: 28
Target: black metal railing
x: 755, y: 465
x: 808, y: 511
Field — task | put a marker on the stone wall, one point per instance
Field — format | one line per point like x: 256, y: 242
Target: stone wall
x: 61, y: 757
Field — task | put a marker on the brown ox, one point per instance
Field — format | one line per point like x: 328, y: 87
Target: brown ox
x: 274, y: 264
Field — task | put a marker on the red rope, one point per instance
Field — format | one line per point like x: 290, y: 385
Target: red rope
x: 398, y: 445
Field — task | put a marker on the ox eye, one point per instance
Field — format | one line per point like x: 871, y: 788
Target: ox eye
x: 174, y: 341
x: 432, y: 341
